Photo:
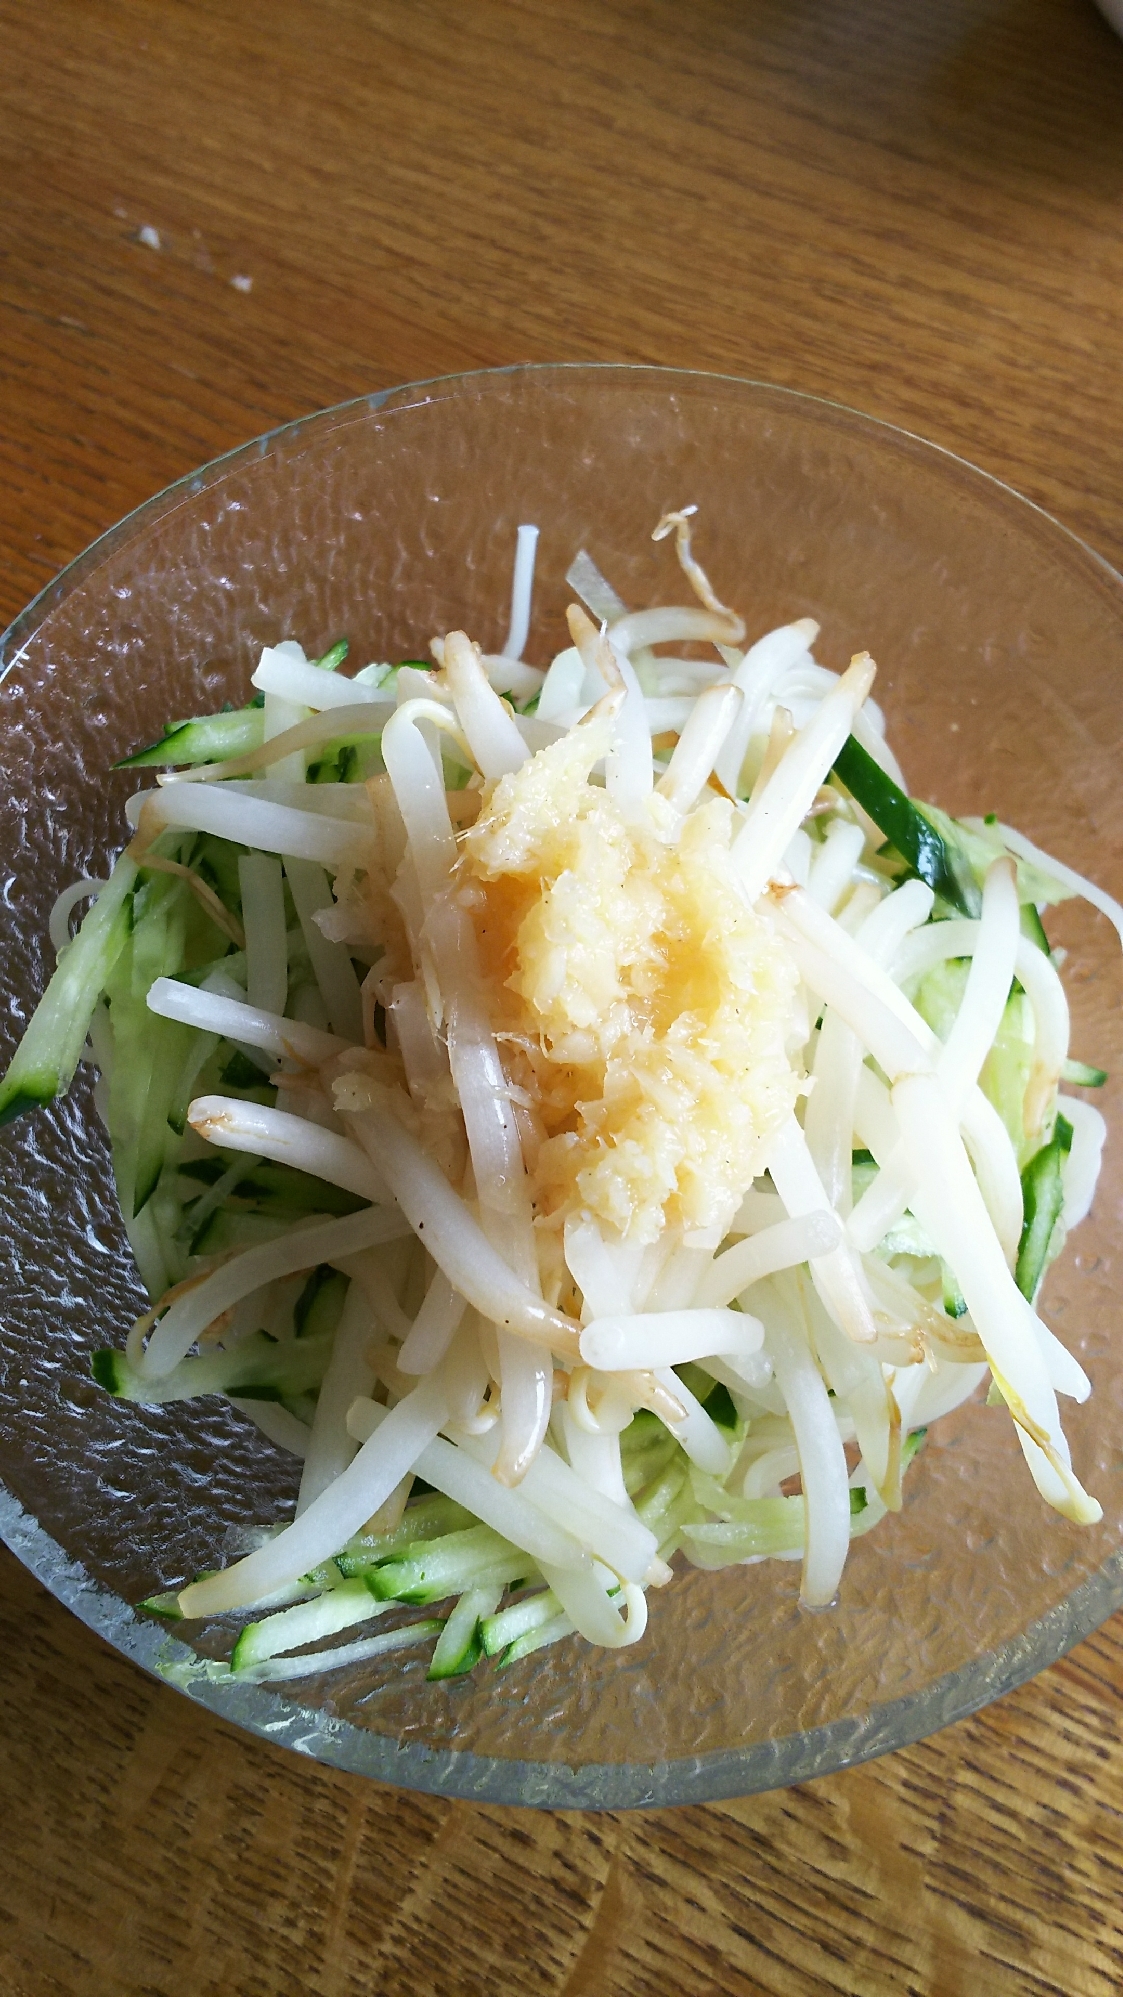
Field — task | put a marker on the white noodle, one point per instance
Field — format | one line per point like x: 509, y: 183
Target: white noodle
x: 695, y: 1433
x: 1080, y: 1171
x: 263, y: 919
x: 330, y: 1447
x: 836, y: 1275
x: 667, y: 1338
x: 822, y: 1460
x: 988, y: 985
x: 303, y: 1248
x: 58, y: 922
x: 562, y: 686
x: 949, y: 1205
x: 467, y: 1480
x: 757, y: 675
x: 332, y: 1517
x: 526, y: 1380
x: 433, y: 1328
x: 331, y: 964
x: 454, y: 1239
x: 488, y: 725
x: 235, y: 1125
x: 420, y: 792
x: 347, y: 801
x: 300, y: 684
x: 833, y: 866
x: 1066, y: 877
x: 603, y: 1528
x: 629, y: 777
x: 582, y: 1596
x: 277, y: 1424
x: 232, y: 1019
x: 776, y: 813
x: 522, y: 586
x: 782, y: 1246
x: 595, y: 1455
x: 251, y: 821
x: 639, y: 628
x: 281, y: 714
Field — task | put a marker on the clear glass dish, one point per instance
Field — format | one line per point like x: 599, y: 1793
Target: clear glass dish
x: 1000, y: 639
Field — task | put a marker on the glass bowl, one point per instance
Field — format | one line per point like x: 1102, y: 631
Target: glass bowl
x: 1000, y: 639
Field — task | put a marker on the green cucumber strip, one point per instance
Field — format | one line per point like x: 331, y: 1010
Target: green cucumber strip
x: 166, y: 1605
x: 336, y: 1609
x: 201, y: 1048
x: 718, y: 1404
x: 333, y: 657
x: 210, y: 738
x: 348, y: 759
x: 171, y: 1045
x: 216, y: 862
x: 1080, y: 1076
x: 1033, y: 927
x: 47, y: 1055
x: 271, y: 1187
x: 129, y: 1082
x: 955, y: 1304
x: 518, y: 1619
x: 229, y: 1228
x: 654, y: 1505
x: 257, y: 1368
x: 313, y: 1663
x: 911, y: 1446
x: 1043, y: 1199
x: 195, y: 1217
x: 459, y: 1645
x: 904, y: 824
x: 537, y: 1639
x: 762, y: 1526
x: 449, y: 1566
x: 641, y: 1467
x: 239, y: 1072
x: 428, y: 1518
x: 320, y: 1304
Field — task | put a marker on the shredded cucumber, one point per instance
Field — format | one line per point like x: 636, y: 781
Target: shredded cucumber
x: 1079, y: 1075
x: 336, y: 1609
x: 45, y: 1060
x: 1043, y: 1200
x: 256, y: 1368
x: 499, y: 1632
x: 438, y: 1568
x: 933, y: 853
x: 211, y: 738
x: 537, y: 1638
x: 460, y: 1646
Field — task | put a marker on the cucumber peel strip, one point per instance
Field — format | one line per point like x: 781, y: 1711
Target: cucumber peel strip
x: 908, y: 829
x: 44, y: 1062
x: 1043, y: 1200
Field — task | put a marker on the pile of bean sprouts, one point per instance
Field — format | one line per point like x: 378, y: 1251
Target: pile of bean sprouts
x: 747, y: 1392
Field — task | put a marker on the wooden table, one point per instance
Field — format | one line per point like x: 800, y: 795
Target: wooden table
x: 219, y: 216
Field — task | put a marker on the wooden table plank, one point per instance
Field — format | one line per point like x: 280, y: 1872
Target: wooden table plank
x: 913, y: 209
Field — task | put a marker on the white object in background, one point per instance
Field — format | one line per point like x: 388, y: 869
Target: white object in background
x: 1112, y: 10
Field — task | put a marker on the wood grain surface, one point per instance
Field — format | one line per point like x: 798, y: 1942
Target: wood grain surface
x: 913, y: 206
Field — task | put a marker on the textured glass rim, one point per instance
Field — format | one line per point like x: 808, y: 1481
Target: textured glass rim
x: 714, y: 1777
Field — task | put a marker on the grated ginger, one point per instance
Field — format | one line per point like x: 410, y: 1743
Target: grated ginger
x: 645, y: 1011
